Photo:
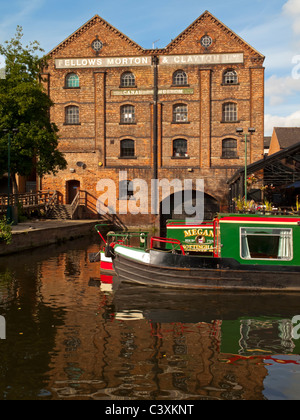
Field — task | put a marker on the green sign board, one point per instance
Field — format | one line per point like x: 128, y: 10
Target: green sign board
x: 194, y: 238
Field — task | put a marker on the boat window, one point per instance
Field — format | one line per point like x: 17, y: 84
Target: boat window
x: 266, y: 243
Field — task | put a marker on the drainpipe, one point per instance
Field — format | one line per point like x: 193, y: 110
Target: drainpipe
x: 155, y: 131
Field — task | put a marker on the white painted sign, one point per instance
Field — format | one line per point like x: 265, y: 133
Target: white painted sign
x: 202, y: 59
x: 135, y: 92
x: 196, y: 59
x: 68, y: 63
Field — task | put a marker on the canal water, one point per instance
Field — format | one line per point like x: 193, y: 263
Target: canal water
x: 69, y: 336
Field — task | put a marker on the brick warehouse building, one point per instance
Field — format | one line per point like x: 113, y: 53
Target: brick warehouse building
x: 168, y: 113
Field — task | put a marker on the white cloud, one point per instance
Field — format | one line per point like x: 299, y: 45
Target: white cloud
x: 278, y: 89
x: 292, y: 9
x: 272, y: 121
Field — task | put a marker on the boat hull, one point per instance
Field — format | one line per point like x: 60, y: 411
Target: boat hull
x: 184, y: 272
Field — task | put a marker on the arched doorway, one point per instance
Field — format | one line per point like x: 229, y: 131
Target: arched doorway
x: 72, y: 189
x: 211, y: 207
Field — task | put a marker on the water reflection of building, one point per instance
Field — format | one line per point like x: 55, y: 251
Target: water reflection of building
x: 79, y: 342
x: 100, y: 356
x: 101, y: 353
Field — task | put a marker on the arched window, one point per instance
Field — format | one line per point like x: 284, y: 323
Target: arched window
x: 230, y: 77
x: 72, y: 80
x: 127, y: 79
x: 180, y: 78
x: 180, y: 113
x: 229, y: 112
x: 127, y: 114
x: 72, y: 115
x: 127, y: 148
x: 180, y: 148
x: 229, y: 148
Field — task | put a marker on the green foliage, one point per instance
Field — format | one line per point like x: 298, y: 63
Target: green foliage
x: 26, y: 106
x: 243, y: 205
x: 268, y: 205
x: 5, y: 231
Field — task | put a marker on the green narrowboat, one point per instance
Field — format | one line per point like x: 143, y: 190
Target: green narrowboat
x: 250, y: 252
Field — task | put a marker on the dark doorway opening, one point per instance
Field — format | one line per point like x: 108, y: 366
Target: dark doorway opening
x: 72, y: 190
x: 211, y: 207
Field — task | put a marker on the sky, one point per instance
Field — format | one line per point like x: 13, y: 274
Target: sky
x: 270, y: 26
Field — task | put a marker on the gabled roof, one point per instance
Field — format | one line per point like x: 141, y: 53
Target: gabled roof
x: 287, y: 136
x: 88, y: 25
x: 168, y: 49
x: 204, y: 15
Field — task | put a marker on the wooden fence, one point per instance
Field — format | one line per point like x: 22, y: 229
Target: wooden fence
x: 30, y: 201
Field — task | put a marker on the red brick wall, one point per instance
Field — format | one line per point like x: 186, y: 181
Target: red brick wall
x: 96, y: 141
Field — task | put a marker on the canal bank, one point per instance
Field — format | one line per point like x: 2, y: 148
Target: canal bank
x: 34, y: 234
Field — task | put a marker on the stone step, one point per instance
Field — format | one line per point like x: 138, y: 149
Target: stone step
x: 61, y: 212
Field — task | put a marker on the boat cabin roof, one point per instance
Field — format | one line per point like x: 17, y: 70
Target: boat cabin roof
x: 259, y: 219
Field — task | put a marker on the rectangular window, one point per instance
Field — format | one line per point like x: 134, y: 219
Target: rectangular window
x: 126, y: 191
x: 229, y: 148
x: 180, y: 113
x: 127, y: 114
x: 72, y: 115
x: 229, y: 112
x: 266, y: 244
x: 127, y: 148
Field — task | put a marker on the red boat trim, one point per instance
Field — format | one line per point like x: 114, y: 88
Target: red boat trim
x: 106, y: 265
x: 106, y: 279
x: 268, y: 220
x: 189, y: 226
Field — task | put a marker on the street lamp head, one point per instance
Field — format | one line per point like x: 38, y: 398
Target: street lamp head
x: 251, y: 130
x: 6, y: 130
x: 239, y: 130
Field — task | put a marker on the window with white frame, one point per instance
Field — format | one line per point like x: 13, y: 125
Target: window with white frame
x: 72, y: 115
x: 127, y: 79
x: 230, y: 77
x: 72, y: 80
x: 266, y: 243
x: 180, y: 78
x: 229, y: 112
x: 180, y: 113
x: 127, y: 114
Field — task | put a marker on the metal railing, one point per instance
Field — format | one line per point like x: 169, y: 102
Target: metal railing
x: 79, y: 200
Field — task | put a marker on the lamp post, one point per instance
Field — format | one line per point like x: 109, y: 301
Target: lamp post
x: 250, y: 131
x: 155, y: 62
x: 9, y: 207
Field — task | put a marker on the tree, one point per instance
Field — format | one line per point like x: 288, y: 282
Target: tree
x: 25, y: 105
